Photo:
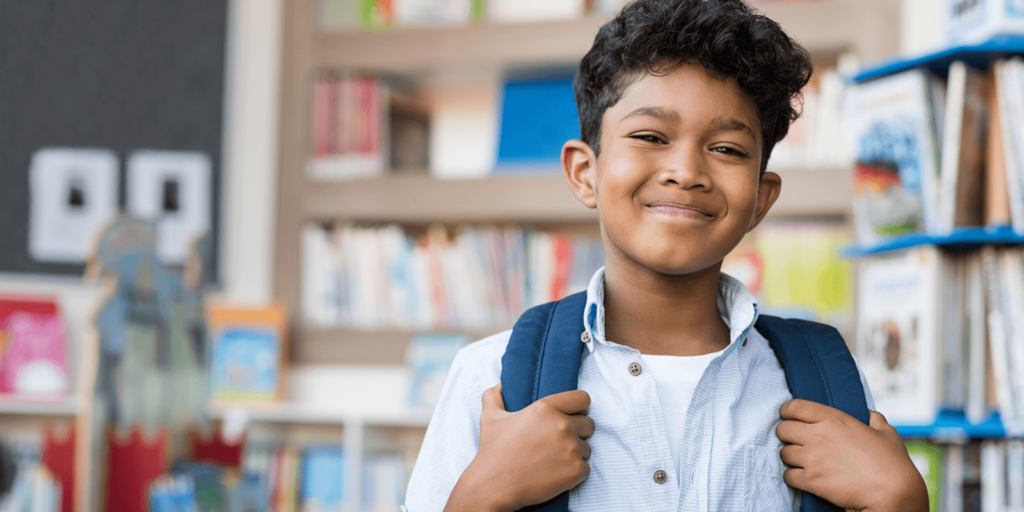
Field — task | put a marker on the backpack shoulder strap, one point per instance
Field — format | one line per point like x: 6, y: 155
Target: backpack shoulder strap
x: 818, y: 367
x: 543, y: 358
x: 544, y: 352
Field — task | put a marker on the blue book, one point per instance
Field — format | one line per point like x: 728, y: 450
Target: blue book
x: 538, y: 115
x: 323, y: 473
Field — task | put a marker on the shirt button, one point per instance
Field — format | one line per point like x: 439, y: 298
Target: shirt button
x: 635, y: 369
x: 585, y: 337
x: 660, y: 477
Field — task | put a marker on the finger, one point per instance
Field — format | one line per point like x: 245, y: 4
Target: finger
x: 795, y: 477
x: 805, y: 411
x: 877, y: 421
x: 793, y: 455
x: 492, y: 400
x: 793, y: 432
x: 584, y: 449
x: 569, y: 402
x: 583, y: 425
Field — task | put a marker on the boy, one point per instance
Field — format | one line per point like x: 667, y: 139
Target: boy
x: 682, y: 405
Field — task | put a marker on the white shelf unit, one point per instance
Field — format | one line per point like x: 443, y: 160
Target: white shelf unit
x: 63, y: 407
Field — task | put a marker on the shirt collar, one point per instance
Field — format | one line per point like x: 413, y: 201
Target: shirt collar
x: 738, y: 307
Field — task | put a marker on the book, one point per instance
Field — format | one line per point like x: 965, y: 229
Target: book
x: 322, y: 479
x: 976, y: 406
x: 1010, y: 105
x: 349, y: 128
x: 427, y: 359
x: 993, y: 476
x: 890, y: 123
x: 248, y: 352
x: 469, y: 277
x: 997, y: 200
x: 538, y: 114
x: 898, y: 306
x: 998, y: 321
x: 961, y: 194
x: 33, y: 347
x: 928, y: 459
x: 518, y: 11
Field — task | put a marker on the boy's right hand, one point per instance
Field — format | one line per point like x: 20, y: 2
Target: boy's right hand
x: 526, y: 457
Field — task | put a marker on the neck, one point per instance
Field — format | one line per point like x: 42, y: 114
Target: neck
x: 660, y: 314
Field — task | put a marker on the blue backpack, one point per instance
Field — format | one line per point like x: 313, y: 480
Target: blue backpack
x: 544, y: 354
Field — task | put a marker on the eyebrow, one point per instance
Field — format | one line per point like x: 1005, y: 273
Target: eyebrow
x: 656, y: 112
x: 733, y: 124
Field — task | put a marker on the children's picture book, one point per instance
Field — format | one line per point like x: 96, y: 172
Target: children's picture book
x: 898, y: 346
x: 928, y: 458
x: 323, y: 479
x: 33, y: 347
x: 891, y: 124
x: 248, y: 352
x: 428, y: 358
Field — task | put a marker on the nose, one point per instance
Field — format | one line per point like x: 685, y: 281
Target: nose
x: 686, y: 168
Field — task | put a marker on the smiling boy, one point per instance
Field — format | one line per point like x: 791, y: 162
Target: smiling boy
x: 681, y: 403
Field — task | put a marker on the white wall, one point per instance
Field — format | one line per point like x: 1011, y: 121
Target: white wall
x: 250, y: 161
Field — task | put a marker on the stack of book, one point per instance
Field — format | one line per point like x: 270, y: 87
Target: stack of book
x: 472, y: 278
x: 944, y: 330
x: 419, y: 13
x: 348, y: 127
x: 972, y: 476
x: 815, y: 139
x: 938, y: 153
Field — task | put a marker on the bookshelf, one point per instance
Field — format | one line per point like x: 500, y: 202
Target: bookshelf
x: 432, y: 55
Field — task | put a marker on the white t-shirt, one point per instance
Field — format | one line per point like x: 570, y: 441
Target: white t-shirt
x: 676, y: 378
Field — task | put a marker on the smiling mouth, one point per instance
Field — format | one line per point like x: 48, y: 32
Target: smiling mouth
x: 679, y: 210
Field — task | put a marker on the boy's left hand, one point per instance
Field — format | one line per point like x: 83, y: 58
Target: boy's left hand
x: 836, y: 457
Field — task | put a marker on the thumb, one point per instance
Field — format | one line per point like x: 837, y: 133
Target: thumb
x: 492, y: 400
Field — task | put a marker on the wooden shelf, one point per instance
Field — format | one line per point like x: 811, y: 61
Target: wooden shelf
x: 529, y: 198
x: 292, y: 413
x: 824, y: 27
x: 417, y: 50
x: 18, y: 406
x: 351, y: 346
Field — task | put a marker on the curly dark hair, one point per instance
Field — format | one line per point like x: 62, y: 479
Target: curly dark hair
x: 726, y: 37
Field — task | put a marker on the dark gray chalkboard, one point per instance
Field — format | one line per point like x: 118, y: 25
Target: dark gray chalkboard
x: 124, y: 75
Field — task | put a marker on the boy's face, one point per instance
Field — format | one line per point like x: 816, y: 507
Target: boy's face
x: 677, y: 184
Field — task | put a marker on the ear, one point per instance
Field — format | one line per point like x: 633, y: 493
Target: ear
x: 768, y: 190
x: 579, y: 164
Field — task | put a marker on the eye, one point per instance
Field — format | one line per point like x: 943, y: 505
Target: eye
x: 648, y: 137
x: 727, y: 150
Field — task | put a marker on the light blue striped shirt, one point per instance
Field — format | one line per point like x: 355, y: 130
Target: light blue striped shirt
x: 730, y: 454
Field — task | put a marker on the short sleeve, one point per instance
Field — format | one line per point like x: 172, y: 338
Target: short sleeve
x: 453, y: 436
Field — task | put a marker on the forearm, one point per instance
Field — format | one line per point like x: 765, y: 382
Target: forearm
x: 910, y: 496
x: 470, y: 495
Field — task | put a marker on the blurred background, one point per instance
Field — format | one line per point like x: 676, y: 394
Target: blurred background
x: 243, y: 239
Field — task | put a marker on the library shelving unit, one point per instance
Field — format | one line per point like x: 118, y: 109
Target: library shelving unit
x: 868, y: 29
x: 437, y: 54
x: 949, y: 425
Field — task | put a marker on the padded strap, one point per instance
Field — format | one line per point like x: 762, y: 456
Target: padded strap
x: 820, y: 368
x: 543, y: 358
